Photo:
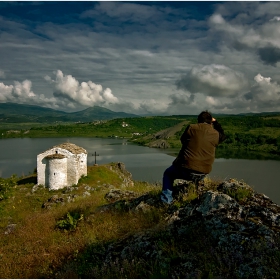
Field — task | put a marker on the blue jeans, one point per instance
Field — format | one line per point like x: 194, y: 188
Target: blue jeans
x: 171, y: 174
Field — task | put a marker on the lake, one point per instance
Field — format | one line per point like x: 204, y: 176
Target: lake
x: 19, y: 156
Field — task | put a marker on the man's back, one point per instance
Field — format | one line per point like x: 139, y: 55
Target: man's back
x: 197, y: 154
x: 198, y: 147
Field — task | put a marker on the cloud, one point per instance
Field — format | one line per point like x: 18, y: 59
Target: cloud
x: 19, y: 92
x: 179, y: 98
x: 269, y: 54
x: 22, y: 93
x: 123, y: 11
x: 264, y: 93
x: 217, y: 19
x: 86, y: 94
x: 153, y: 106
x: 275, y: 18
x: 127, y: 56
x: 68, y: 93
x: 255, y: 31
x: 213, y: 80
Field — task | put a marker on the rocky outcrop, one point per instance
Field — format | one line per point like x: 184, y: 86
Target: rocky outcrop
x: 228, y: 232
x: 159, y: 143
x: 126, y: 176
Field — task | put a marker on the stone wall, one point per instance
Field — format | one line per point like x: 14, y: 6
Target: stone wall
x: 73, y: 165
x: 56, y: 170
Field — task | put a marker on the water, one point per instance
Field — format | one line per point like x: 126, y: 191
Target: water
x: 19, y: 156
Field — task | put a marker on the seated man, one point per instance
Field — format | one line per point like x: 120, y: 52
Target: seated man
x: 197, y: 154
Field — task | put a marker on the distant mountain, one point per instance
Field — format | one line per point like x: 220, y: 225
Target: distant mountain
x: 21, y: 113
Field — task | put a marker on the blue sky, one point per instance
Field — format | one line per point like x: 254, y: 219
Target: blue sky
x: 141, y: 57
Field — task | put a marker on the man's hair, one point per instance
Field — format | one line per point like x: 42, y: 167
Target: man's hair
x: 204, y: 116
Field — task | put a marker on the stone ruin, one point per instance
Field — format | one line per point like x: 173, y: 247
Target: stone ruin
x: 61, y: 166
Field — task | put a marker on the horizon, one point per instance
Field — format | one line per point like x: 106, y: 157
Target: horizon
x: 142, y: 57
x: 143, y: 115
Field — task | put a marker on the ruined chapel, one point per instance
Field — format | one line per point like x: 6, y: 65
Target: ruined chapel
x: 61, y: 166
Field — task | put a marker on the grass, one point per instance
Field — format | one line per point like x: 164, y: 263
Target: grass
x: 240, y: 194
x: 69, y: 240
x: 44, y: 239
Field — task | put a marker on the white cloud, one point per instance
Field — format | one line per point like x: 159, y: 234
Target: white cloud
x: 213, y: 80
x: 217, y: 19
x: 5, y: 92
x: 255, y: 31
x: 127, y: 56
x: 212, y: 101
x: 153, y: 106
x: 23, y: 89
x: 68, y: 95
x: 259, y: 79
x: 275, y: 18
x: 265, y: 93
x: 86, y: 94
x: 123, y: 11
x: 17, y: 92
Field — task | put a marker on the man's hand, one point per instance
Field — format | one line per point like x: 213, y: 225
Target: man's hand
x: 213, y: 119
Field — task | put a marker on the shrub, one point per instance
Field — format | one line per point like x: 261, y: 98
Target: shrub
x: 239, y: 194
x: 70, y: 222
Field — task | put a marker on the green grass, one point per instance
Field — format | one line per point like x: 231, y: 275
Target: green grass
x: 70, y: 240
x: 240, y: 194
x: 45, y: 238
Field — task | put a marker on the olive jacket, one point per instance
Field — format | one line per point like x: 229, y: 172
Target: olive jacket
x: 199, y: 142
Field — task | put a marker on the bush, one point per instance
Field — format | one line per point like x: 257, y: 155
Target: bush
x: 70, y: 222
x: 239, y: 194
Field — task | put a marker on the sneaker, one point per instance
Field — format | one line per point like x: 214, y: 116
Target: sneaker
x: 166, y: 196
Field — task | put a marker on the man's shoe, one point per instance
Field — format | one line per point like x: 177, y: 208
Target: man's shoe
x: 166, y: 196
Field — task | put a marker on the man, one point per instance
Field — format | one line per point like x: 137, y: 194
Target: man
x: 197, y: 154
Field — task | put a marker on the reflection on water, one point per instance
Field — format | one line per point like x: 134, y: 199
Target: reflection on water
x: 19, y: 156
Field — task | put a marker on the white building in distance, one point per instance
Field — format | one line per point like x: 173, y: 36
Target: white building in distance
x: 61, y: 166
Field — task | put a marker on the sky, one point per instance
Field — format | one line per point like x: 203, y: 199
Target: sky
x: 157, y: 58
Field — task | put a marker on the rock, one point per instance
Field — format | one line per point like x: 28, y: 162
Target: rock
x: 35, y: 188
x: 116, y: 194
x: 86, y: 194
x: 10, y: 228
x: 126, y: 176
x: 55, y: 199
x: 241, y: 233
x: 162, y: 144
x: 69, y: 189
x: 144, y: 207
x: 71, y: 198
x: 88, y: 188
x: 212, y: 202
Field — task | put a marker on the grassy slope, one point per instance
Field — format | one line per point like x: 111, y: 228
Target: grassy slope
x: 110, y: 128
x: 37, y: 248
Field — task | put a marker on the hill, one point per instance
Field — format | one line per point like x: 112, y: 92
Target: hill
x: 109, y: 226
x: 21, y: 113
